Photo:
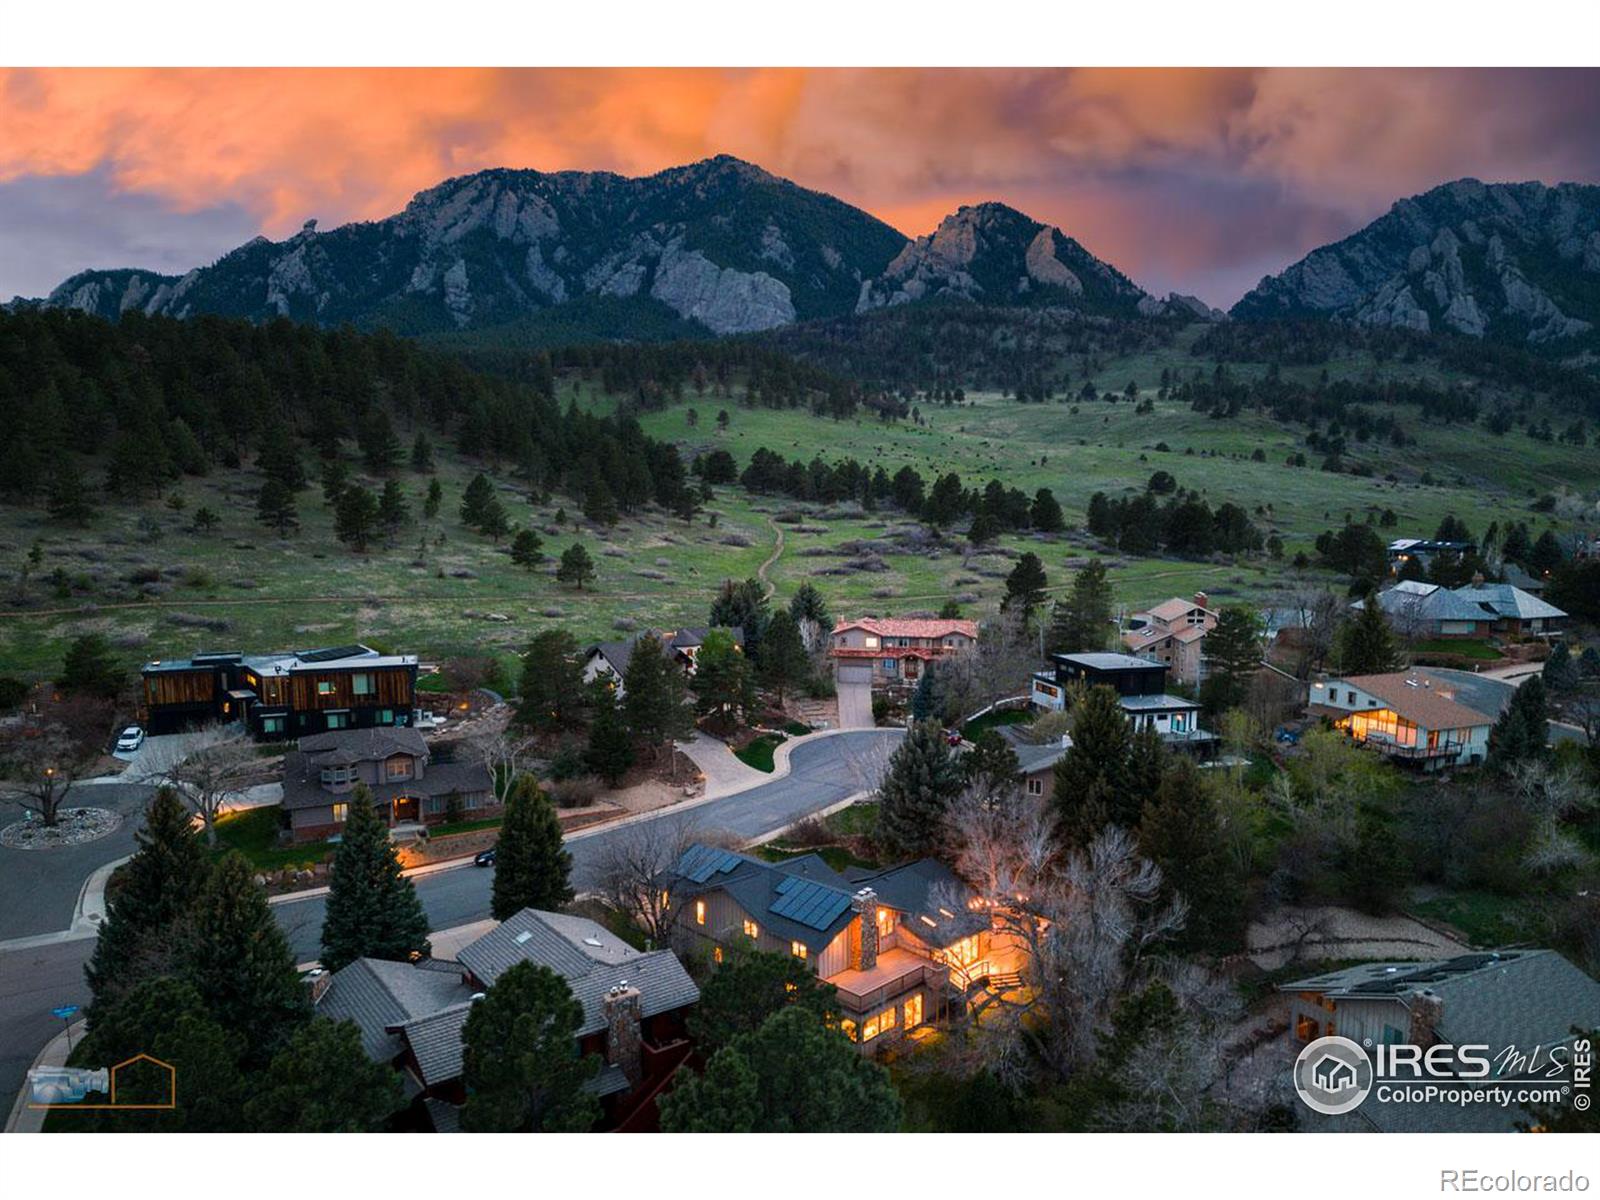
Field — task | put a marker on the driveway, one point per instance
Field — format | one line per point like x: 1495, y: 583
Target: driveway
x: 855, y: 704
x: 723, y: 769
x: 823, y: 772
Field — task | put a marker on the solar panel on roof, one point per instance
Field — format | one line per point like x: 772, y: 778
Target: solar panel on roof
x: 809, y: 903
x: 703, y: 862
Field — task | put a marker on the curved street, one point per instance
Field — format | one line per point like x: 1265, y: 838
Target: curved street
x: 824, y: 771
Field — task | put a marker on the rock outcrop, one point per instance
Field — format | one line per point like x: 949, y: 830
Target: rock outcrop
x: 1517, y: 262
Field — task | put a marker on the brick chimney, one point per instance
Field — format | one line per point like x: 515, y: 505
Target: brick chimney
x: 1427, y: 1010
x: 1201, y: 600
x: 864, y: 937
x: 624, y: 1038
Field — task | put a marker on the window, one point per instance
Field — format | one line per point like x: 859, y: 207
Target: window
x: 1352, y: 696
x: 888, y: 666
x: 386, y: 716
x: 472, y: 801
x: 436, y: 805
x: 340, y: 812
x: 324, y: 687
x: 339, y: 720
x: 878, y: 1023
x: 271, y: 724
x: 871, y: 643
x: 798, y: 949
x: 1035, y: 787
x: 885, y: 921
x: 914, y: 1011
x: 398, y: 767
x: 848, y: 1028
x: 361, y: 684
x: 751, y: 929
x: 716, y: 954
x: 699, y: 912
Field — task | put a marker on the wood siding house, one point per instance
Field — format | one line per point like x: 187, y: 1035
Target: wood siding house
x: 285, y: 695
x: 1409, y: 716
x: 1140, y: 684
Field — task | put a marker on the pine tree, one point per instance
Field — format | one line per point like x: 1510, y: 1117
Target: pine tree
x: 1367, y: 644
x: 1522, y: 731
x: 356, y: 518
x: 552, y: 695
x: 576, y: 566
x: 495, y: 523
x: 531, y: 867
x: 784, y: 662
x: 609, y: 753
x: 145, y: 912
x: 275, y: 507
x: 526, y: 549
x: 1091, y: 780
x: 519, y: 1068
x: 91, y: 667
x: 279, y: 459
x: 393, y: 509
x: 67, y: 498
x: 431, y: 506
x: 1025, y: 586
x: 743, y: 606
x: 422, y: 455
x: 991, y: 764
x: 1560, y: 671
x: 922, y: 779
x: 335, y: 478
x: 372, y: 909
x: 808, y: 605
x: 655, y: 702
x: 1181, y: 832
x: 927, y: 701
x: 722, y: 684
x: 323, y: 1082
x: 1233, y: 655
x: 1081, y: 622
x: 239, y: 962
x: 475, y: 500
x: 1045, y: 514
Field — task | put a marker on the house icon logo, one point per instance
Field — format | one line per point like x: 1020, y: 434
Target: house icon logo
x: 1333, y: 1075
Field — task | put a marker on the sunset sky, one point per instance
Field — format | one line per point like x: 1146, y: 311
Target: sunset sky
x: 1195, y: 180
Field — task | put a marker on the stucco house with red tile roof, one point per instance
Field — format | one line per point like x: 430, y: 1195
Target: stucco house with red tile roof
x: 895, y: 651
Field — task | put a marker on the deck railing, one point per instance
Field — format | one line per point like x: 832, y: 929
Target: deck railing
x: 932, y: 974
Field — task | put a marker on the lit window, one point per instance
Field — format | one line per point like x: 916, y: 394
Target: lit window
x: 361, y: 685
x: 848, y: 1028
x: 878, y: 1023
x: 324, y: 687
x: 699, y: 912
x: 340, y: 812
x: 914, y: 1011
x: 798, y: 949
x: 716, y: 954
x: 271, y: 724
x: 885, y: 921
x: 751, y: 929
x: 665, y: 901
x: 871, y: 643
x: 338, y: 720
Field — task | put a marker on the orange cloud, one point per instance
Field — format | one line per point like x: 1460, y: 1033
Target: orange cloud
x: 1104, y: 153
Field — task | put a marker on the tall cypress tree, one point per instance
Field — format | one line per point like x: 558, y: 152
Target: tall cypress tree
x: 1092, y: 778
x: 531, y: 868
x: 154, y: 893
x: 239, y: 962
x: 373, y: 910
x: 923, y: 777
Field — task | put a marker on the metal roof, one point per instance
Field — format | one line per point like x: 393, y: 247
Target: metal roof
x: 1109, y: 662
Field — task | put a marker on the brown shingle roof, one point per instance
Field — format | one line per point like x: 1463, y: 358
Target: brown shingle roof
x: 1418, y: 701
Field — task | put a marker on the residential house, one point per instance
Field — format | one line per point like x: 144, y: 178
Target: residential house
x: 1520, y: 1004
x: 894, y: 651
x: 410, y: 786
x: 634, y: 1004
x: 1140, y: 685
x: 1036, y: 761
x: 289, y: 694
x: 1430, y: 610
x: 899, y: 945
x: 1423, y: 551
x: 1173, y: 633
x: 609, y: 660
x: 1412, y: 716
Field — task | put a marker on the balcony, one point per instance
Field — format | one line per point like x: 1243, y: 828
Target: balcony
x: 896, y: 973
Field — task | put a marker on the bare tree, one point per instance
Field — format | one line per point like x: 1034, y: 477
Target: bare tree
x: 1317, y: 611
x: 996, y: 668
x: 41, y: 756
x: 505, y: 752
x: 635, y: 869
x: 208, y: 770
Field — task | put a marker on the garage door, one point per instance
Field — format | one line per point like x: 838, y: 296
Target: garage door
x: 855, y: 673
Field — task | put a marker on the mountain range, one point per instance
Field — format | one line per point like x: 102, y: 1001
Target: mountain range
x: 726, y: 247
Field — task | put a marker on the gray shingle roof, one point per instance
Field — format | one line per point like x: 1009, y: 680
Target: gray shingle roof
x: 588, y: 956
x: 438, y: 779
x: 1508, y: 601
x: 435, y: 1042
x: 380, y: 996
x: 1413, y: 600
x: 932, y: 898
x: 342, y: 746
x: 446, y: 1117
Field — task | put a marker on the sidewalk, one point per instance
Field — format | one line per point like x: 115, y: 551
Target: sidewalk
x: 86, y: 917
x: 24, y: 1119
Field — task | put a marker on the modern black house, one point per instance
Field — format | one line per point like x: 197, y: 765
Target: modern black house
x: 1140, y: 684
x: 286, y: 695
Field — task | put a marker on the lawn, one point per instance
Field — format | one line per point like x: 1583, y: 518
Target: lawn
x: 253, y: 832
x: 1485, y: 918
x: 758, y: 753
x: 995, y: 719
x: 465, y: 826
x: 1461, y: 648
x: 836, y: 857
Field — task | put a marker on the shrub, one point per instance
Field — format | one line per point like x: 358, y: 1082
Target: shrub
x: 578, y: 791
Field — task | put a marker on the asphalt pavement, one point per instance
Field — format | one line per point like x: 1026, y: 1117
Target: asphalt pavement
x: 33, y: 981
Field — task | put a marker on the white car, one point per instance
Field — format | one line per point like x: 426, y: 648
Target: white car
x: 130, y: 739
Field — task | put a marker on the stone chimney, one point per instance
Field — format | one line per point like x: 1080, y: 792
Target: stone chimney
x: 1427, y: 1010
x: 1201, y: 600
x: 624, y: 1038
x: 317, y: 983
x: 1477, y: 579
x: 864, y: 937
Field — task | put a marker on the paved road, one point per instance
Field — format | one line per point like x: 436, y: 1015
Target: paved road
x: 822, y: 773
x: 39, y: 888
